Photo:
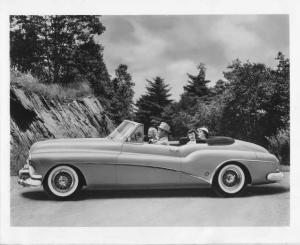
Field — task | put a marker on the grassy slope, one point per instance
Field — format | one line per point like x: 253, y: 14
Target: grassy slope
x: 50, y: 91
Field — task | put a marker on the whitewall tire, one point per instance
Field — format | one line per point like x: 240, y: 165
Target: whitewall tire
x: 62, y: 183
x: 230, y: 180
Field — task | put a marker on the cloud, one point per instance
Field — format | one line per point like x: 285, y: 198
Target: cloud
x: 236, y: 40
x: 178, y: 74
x: 171, y: 46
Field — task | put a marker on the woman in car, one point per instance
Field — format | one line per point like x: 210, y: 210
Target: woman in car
x: 202, y: 135
x: 192, y: 136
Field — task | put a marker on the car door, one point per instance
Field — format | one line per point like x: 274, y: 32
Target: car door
x: 146, y: 164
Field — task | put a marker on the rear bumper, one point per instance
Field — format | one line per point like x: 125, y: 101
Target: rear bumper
x: 275, y: 176
x: 28, y: 177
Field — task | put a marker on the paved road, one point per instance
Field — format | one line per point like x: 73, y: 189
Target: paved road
x: 266, y: 205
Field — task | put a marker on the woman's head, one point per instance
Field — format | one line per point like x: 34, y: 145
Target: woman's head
x: 192, y: 135
x: 202, y: 133
x: 152, y: 133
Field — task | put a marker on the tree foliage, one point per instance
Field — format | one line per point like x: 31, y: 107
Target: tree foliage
x: 194, y: 101
x: 196, y: 88
x: 120, y: 95
x: 259, y: 100
x: 151, y: 105
x: 197, y: 85
x: 179, y: 120
x: 59, y: 48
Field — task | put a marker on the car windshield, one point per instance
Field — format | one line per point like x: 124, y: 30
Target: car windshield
x: 122, y: 131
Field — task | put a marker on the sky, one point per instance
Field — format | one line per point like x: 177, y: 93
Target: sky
x: 170, y: 46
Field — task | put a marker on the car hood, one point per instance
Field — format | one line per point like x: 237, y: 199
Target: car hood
x: 77, y: 144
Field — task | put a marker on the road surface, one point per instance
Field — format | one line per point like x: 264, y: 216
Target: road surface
x: 266, y: 205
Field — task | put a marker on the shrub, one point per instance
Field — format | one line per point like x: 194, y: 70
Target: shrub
x: 279, y: 145
x: 50, y: 91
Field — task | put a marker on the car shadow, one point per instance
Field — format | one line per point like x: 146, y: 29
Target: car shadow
x: 265, y: 190
x: 158, y: 193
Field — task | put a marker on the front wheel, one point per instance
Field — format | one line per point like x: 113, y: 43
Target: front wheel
x: 62, y: 183
x: 229, y: 181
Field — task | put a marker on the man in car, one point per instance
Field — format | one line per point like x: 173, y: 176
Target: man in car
x: 163, y: 133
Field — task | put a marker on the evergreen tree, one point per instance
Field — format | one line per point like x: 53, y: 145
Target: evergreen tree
x: 120, y: 94
x: 195, y: 89
x: 197, y: 84
x: 151, y: 105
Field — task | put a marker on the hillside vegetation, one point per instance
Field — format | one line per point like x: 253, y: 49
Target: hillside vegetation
x: 50, y: 91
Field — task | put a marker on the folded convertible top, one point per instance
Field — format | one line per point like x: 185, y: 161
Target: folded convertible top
x: 219, y: 140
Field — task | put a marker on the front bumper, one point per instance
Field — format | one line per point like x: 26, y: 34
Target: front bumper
x: 30, y: 182
x: 275, y: 176
x: 28, y: 177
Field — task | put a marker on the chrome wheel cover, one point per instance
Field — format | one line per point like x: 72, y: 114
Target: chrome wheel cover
x: 63, y: 181
x: 231, y: 179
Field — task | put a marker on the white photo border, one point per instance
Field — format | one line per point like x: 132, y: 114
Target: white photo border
x: 149, y: 235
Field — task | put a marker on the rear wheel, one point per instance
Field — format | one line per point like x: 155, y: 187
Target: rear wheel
x: 230, y: 181
x: 62, y: 183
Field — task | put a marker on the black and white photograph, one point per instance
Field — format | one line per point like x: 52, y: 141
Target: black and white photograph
x: 144, y: 121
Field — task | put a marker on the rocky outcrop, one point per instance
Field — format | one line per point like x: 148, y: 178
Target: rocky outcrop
x: 34, y: 118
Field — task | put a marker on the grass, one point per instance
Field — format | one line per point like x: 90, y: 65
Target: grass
x: 50, y: 91
x: 18, y: 156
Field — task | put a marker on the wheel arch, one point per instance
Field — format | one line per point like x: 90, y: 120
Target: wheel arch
x: 238, y: 163
x: 78, y: 171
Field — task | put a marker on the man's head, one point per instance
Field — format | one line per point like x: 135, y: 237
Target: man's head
x: 202, y: 133
x: 152, y: 133
x: 192, y: 135
x: 163, y: 130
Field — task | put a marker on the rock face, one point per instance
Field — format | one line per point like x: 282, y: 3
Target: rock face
x: 34, y: 118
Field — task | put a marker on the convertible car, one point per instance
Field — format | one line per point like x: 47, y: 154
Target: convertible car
x: 123, y: 160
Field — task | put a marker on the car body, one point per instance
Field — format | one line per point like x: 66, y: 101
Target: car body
x: 123, y: 160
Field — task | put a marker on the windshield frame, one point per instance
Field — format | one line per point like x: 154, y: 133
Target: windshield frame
x: 123, y: 131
